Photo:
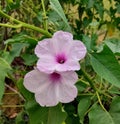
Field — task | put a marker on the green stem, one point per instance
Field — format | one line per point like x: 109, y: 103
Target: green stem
x: 11, y: 26
x: 89, y: 80
x: 44, y: 15
x: 85, y: 94
x: 100, y: 101
x: 46, y: 33
x: 82, y: 81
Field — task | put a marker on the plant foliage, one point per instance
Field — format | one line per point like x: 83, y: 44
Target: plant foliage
x: 96, y: 23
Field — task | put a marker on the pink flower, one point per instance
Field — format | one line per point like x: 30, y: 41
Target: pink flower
x: 59, y: 53
x: 50, y: 89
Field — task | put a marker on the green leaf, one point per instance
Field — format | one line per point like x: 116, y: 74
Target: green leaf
x: 4, y: 68
x: 56, y: 115
x: 99, y: 8
x: 15, y: 51
x: 90, y: 3
x: 80, y: 86
x: 118, y: 8
x: 12, y: 4
x: 83, y: 106
x: 22, y: 118
x: 2, y: 86
x: 16, y: 38
x: 55, y: 21
x: 57, y: 7
x: 44, y: 115
x: 115, y: 109
x: 72, y: 119
x: 106, y: 66
x: 29, y: 59
x: 22, y: 38
x: 98, y: 116
x: 37, y: 114
x: 113, y: 44
x: 87, y: 41
x: 114, y: 90
x: 90, y: 42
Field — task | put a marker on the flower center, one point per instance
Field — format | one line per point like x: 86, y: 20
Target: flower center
x: 55, y: 76
x: 60, y: 58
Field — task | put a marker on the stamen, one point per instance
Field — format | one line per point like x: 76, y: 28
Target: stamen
x: 60, y: 58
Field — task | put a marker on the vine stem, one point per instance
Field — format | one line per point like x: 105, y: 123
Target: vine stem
x: 89, y: 80
x: 23, y: 24
x: 44, y: 15
x: 11, y: 26
x: 100, y: 101
x: 94, y: 88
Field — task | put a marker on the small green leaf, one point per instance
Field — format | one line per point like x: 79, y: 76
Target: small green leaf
x: 22, y: 118
x: 87, y: 41
x: 98, y: 116
x: 16, y: 49
x: 56, y: 115
x: 115, y: 109
x: 37, y: 114
x: 114, y: 90
x: 118, y: 8
x: 99, y: 8
x: 44, y: 115
x: 57, y: 7
x: 2, y: 86
x: 106, y: 65
x: 29, y: 59
x: 72, y: 119
x: 4, y: 68
x: 14, y: 52
x: 80, y: 86
x: 83, y: 106
x: 90, y: 42
x: 90, y: 3
x: 22, y: 38
x: 113, y: 44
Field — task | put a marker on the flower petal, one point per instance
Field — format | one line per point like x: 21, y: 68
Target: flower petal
x: 69, y: 77
x: 46, y: 65
x: 62, y: 91
x: 67, y: 89
x: 49, y: 92
x: 67, y: 93
x: 60, y: 35
x: 78, y: 50
x: 62, y: 41
x: 48, y: 97
x: 44, y: 47
x: 60, y: 48
x: 35, y: 81
x: 70, y: 65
